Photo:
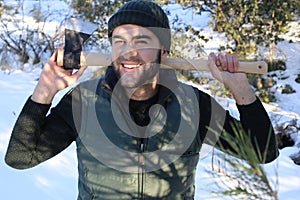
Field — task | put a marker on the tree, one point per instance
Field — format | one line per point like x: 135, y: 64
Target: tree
x: 275, y: 17
x: 199, y: 6
x: 97, y: 11
x: 28, y: 41
x: 249, y: 23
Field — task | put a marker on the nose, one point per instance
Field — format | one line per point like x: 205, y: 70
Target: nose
x: 129, y: 52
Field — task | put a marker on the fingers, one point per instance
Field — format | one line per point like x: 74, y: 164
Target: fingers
x: 235, y: 62
x: 53, y: 57
x: 225, y: 61
x: 213, y: 61
x: 60, y: 56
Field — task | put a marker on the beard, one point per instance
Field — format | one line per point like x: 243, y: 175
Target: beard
x: 144, y: 74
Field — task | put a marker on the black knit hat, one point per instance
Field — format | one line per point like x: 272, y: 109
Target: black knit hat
x: 146, y: 14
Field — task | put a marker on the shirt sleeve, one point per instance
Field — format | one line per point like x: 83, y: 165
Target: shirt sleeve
x: 256, y: 121
x: 37, y: 137
x: 215, y: 121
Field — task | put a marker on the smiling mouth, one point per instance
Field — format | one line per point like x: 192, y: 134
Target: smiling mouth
x: 131, y: 66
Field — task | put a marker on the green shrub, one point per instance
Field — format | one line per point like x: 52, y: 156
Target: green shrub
x: 266, y: 95
x: 287, y: 89
x: 298, y: 79
x: 276, y: 65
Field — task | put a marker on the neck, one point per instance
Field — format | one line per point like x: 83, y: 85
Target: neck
x: 143, y: 92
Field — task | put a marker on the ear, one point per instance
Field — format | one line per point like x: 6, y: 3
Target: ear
x: 164, y: 55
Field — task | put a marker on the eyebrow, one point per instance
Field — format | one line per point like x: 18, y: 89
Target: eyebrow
x: 135, y: 37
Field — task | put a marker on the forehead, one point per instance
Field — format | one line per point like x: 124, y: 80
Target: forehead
x: 131, y: 30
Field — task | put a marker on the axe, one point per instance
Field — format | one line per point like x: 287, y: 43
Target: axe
x: 78, y: 31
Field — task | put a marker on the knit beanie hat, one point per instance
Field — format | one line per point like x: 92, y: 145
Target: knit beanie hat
x: 146, y: 14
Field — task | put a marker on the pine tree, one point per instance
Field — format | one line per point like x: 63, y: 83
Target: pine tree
x: 97, y: 11
x: 249, y: 23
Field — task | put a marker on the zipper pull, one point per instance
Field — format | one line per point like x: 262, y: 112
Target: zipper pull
x: 142, y: 158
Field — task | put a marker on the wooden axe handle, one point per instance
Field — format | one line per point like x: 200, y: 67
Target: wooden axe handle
x: 99, y: 59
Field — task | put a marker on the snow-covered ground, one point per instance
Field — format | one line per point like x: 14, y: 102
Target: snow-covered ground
x: 57, y: 178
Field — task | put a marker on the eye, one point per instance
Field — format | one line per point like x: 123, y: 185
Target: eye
x: 119, y: 42
x: 141, y: 43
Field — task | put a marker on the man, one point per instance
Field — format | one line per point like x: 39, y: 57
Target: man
x: 138, y: 130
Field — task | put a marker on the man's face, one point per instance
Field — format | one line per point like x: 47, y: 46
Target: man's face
x: 135, y: 53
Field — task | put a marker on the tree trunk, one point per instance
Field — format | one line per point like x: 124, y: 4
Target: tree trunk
x: 271, y: 40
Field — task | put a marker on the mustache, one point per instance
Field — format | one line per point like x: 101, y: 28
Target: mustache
x: 136, y: 59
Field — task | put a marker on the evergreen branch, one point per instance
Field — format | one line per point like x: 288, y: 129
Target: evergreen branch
x: 244, y: 176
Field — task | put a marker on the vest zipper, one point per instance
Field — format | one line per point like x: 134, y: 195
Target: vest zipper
x: 141, y: 173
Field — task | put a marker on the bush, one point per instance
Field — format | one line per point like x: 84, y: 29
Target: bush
x: 298, y: 79
x: 287, y: 89
x: 276, y: 65
x: 266, y: 95
x: 28, y: 41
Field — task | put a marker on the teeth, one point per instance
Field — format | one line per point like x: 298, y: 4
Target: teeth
x: 131, y: 66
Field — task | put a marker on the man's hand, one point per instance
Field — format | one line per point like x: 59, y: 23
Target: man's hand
x: 224, y: 68
x: 53, y: 79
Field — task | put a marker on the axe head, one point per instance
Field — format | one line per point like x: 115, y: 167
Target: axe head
x: 77, y: 32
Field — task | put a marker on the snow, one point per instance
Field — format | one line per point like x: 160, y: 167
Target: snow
x: 57, y: 178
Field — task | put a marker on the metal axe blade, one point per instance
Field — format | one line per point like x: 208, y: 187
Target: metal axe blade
x: 77, y: 32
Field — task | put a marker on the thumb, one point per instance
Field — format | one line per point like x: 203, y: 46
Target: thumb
x: 80, y: 71
x: 74, y: 77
